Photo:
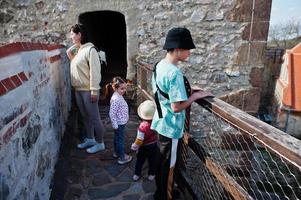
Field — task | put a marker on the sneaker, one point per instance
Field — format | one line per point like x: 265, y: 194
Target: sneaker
x: 96, y: 148
x: 115, y: 155
x: 135, y: 177
x: 151, y: 177
x: 87, y: 143
x: 126, y: 159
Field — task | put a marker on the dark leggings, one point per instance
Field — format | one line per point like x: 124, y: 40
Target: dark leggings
x: 149, y: 152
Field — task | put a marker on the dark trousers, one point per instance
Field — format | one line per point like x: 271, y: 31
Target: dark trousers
x: 90, y: 114
x: 149, y: 152
x: 164, y: 172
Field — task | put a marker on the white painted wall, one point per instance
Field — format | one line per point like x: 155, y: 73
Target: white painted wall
x: 36, y: 112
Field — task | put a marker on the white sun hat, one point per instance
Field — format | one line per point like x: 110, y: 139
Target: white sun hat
x: 146, y: 110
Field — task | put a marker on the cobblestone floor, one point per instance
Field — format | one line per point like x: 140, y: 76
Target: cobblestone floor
x: 82, y: 176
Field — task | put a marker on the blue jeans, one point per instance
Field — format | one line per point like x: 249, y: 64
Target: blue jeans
x: 119, y: 141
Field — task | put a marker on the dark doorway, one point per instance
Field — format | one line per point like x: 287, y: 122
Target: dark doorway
x: 107, y: 31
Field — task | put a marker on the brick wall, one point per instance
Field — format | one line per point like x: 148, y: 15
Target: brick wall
x: 35, y: 99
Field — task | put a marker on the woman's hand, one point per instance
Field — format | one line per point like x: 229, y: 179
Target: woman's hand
x: 93, y: 98
x: 72, y: 51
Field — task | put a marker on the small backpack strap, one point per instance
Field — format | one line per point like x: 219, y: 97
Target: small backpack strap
x: 157, y: 93
x: 158, y: 105
x: 155, y: 76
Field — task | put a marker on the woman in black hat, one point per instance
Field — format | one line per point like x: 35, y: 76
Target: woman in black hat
x: 171, y: 100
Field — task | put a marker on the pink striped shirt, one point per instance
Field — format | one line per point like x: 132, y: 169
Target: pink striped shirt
x: 119, y: 110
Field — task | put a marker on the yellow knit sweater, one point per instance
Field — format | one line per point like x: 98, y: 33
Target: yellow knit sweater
x: 85, y: 69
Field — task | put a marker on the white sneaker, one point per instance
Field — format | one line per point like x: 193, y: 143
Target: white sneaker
x: 151, y: 177
x: 96, y: 148
x: 114, y: 155
x: 135, y: 177
x: 87, y: 143
x: 126, y: 159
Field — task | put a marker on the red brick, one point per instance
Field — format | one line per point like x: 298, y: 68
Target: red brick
x: 44, y: 46
x: 18, y: 47
x: 8, y: 134
x: 23, y: 121
x: 16, y: 80
x: 54, y: 58
x: 36, y: 46
x: 9, y: 49
x: 55, y: 46
x: 23, y: 76
x: 2, y: 89
x: 8, y: 84
x: 23, y: 46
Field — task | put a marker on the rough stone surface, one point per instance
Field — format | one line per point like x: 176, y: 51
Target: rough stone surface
x: 99, y: 176
x: 220, y: 30
x: 256, y: 77
x: 250, y: 54
x: 259, y: 31
x: 32, y: 117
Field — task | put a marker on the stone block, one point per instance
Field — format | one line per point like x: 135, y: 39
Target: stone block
x: 250, y: 55
x: 2, y: 89
x: 256, y: 75
x: 44, y: 162
x: 251, y: 100
x: 246, y: 100
x: 8, y: 84
x: 242, y: 11
x: 260, y: 31
x: 74, y: 192
x: 262, y: 10
x: 6, y: 16
x: 31, y: 135
x: 22, y: 76
x: 16, y: 80
x: 234, y: 98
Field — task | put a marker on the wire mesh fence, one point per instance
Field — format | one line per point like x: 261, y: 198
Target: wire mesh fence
x: 224, y: 161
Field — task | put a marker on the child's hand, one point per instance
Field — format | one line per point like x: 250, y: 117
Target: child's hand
x: 134, y: 147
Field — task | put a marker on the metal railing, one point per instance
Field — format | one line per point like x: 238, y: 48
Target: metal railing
x: 230, y: 154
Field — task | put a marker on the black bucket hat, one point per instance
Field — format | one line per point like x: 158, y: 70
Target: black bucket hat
x: 178, y: 38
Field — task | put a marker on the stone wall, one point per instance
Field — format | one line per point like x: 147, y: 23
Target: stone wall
x: 228, y: 60
x: 34, y: 101
x: 230, y: 39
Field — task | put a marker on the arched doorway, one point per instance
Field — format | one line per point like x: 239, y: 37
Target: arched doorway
x: 107, y: 31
